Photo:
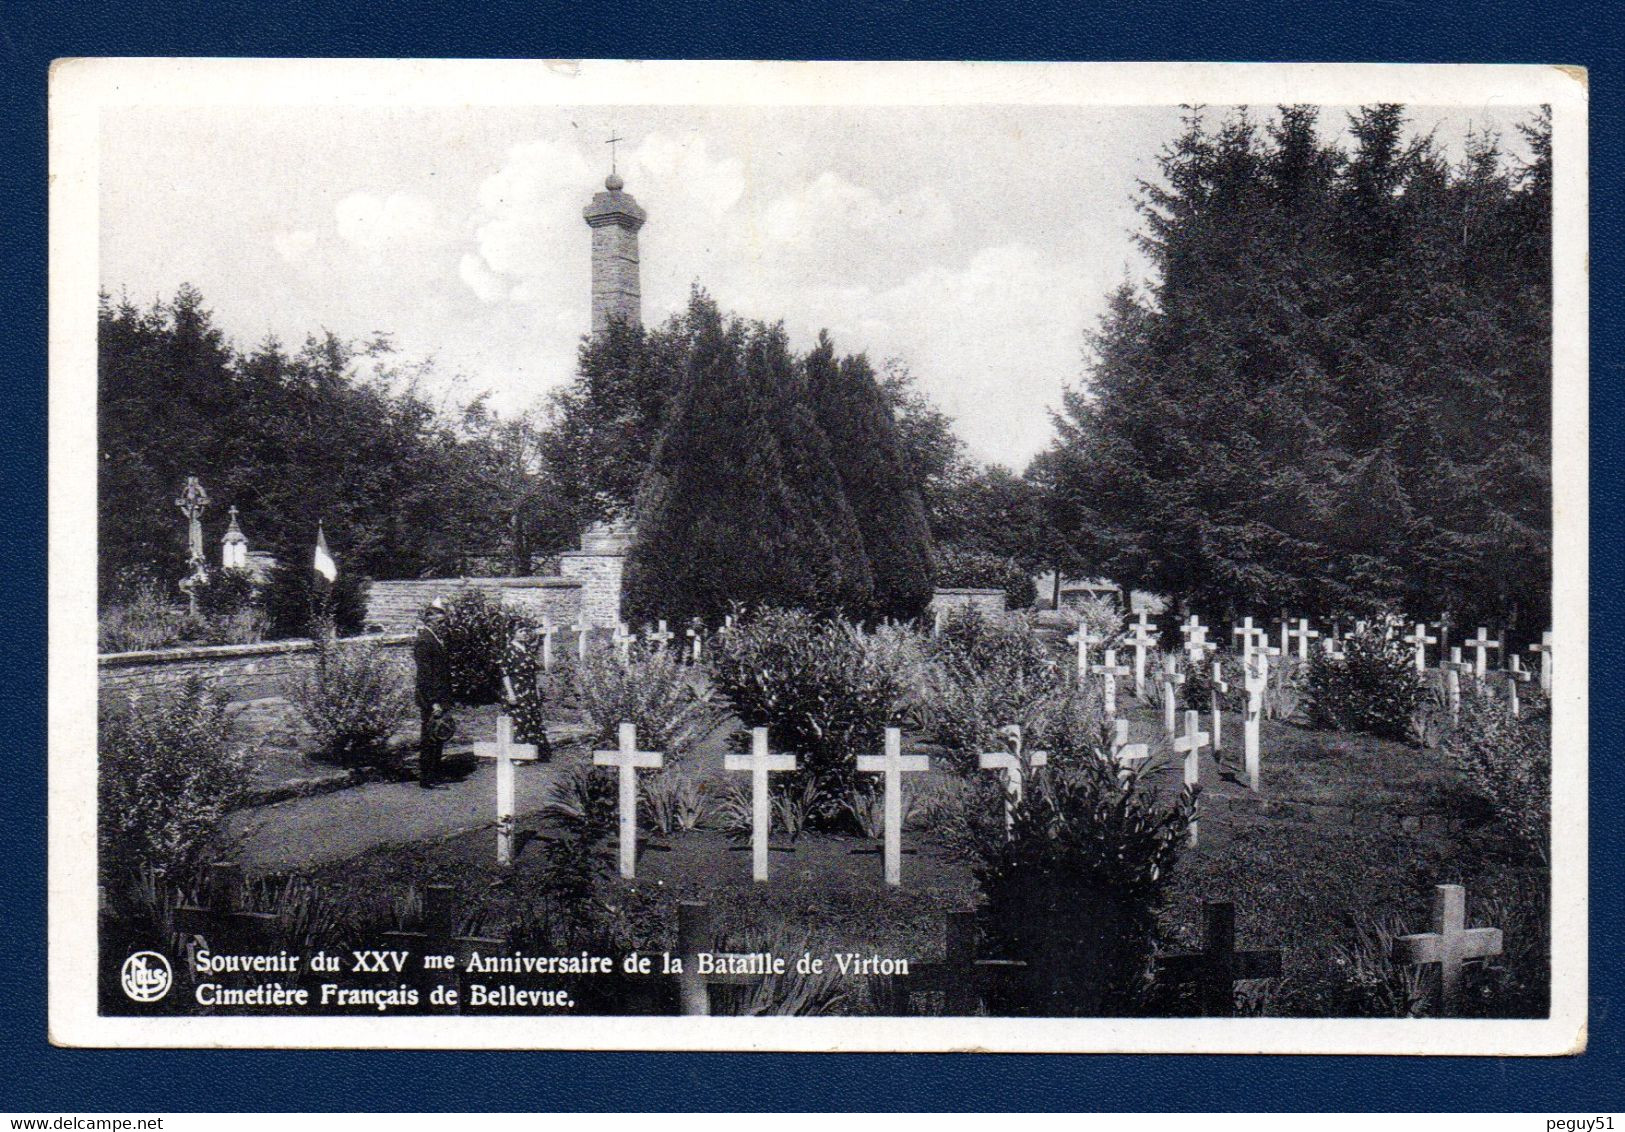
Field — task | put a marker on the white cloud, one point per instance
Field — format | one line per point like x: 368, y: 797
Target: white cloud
x: 484, y: 282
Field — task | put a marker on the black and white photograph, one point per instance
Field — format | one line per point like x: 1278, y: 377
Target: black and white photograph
x: 813, y: 556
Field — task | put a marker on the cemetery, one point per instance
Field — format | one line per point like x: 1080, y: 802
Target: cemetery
x: 760, y: 710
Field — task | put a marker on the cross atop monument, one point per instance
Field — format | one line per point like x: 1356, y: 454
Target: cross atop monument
x: 611, y: 143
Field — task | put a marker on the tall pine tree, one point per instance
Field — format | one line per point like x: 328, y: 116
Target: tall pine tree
x: 877, y: 479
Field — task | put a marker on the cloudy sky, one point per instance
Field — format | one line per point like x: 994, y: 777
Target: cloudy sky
x: 975, y: 243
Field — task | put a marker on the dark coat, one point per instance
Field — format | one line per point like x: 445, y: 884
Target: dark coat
x: 434, y: 669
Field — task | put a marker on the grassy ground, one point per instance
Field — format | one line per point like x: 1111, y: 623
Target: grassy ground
x: 1302, y: 874
x: 1298, y: 885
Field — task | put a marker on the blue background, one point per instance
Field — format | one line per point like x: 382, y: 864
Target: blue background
x: 36, y: 1077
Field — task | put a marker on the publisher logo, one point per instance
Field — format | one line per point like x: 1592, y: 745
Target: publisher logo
x: 146, y: 976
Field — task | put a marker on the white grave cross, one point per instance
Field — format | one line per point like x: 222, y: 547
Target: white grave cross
x: 1303, y: 633
x: 1246, y: 632
x: 549, y: 631
x: 1172, y: 678
x: 892, y: 766
x: 1013, y: 763
x: 662, y: 638
x: 1449, y: 944
x: 1257, y: 676
x: 629, y: 760
x: 505, y: 752
x: 623, y: 641
x: 1419, y: 637
x: 760, y: 764
x: 1083, y: 638
x: 1142, y: 639
x: 581, y: 629
x: 1453, y: 668
x: 1513, y: 675
x: 1483, y: 645
x: 1109, y: 671
x: 1216, y: 703
x: 1191, y: 743
x: 1127, y: 754
x: 1545, y: 651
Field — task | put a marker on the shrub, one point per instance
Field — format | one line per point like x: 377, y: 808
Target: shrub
x: 168, y: 772
x: 228, y: 592
x: 353, y: 697
x: 300, y: 602
x: 479, y: 632
x: 651, y: 690
x: 823, y: 688
x: 988, y: 673
x: 1506, y: 761
x: 583, y: 805
x: 141, y: 618
x: 1374, y: 687
x: 1074, y: 888
x: 244, y: 627
x: 960, y: 568
x: 1103, y: 618
x: 672, y: 801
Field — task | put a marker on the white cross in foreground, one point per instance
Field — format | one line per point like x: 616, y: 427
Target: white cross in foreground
x: 1449, y: 944
x: 661, y: 639
x: 623, y: 641
x: 506, y: 752
x: 760, y: 764
x: 892, y: 766
x: 1014, y: 764
x: 629, y: 760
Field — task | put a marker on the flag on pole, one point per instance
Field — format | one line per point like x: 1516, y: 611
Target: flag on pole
x: 325, y: 566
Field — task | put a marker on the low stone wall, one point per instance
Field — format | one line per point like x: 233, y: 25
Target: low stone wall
x: 394, y: 606
x: 952, y: 600
x: 239, y: 672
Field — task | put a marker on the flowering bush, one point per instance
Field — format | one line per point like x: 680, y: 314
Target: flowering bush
x: 169, y: 772
x: 1506, y: 761
x: 652, y: 691
x: 353, y: 697
x: 1373, y: 687
x: 823, y: 688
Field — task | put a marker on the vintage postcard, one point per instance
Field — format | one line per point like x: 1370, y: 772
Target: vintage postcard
x: 818, y: 556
